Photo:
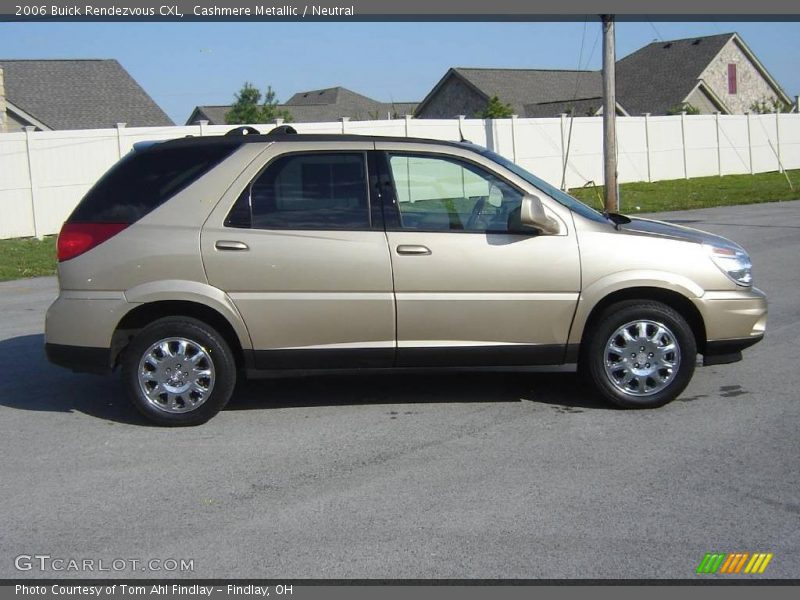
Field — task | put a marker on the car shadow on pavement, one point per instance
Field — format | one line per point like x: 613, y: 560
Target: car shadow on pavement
x: 35, y: 384
x: 32, y: 383
x: 415, y: 387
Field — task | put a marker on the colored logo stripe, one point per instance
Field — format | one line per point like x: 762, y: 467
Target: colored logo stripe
x: 758, y: 563
x: 734, y: 563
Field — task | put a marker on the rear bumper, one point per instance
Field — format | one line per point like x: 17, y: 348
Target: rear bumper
x: 81, y: 359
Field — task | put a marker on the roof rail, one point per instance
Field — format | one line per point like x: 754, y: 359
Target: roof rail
x: 282, y: 130
x: 244, y: 130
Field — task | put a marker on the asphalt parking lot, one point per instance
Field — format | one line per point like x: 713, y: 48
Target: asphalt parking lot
x: 459, y: 475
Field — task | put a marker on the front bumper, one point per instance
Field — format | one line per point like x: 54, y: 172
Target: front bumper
x: 723, y: 352
x: 734, y: 320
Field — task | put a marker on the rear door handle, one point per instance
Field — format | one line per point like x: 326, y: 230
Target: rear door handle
x: 231, y: 245
x: 413, y: 249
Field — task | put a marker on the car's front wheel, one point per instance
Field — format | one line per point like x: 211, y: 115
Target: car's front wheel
x: 179, y: 371
x: 639, y: 354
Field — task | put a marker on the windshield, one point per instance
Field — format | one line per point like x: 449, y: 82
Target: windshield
x: 556, y: 194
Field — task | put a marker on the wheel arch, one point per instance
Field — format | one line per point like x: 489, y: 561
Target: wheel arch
x: 675, y: 300
x: 148, y: 312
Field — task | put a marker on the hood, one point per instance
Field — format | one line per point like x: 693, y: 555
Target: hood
x: 679, y: 232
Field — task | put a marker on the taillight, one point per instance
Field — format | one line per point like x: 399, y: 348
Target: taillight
x: 77, y: 238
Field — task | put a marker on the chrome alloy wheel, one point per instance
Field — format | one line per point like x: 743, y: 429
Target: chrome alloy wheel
x: 642, y: 358
x: 176, y: 375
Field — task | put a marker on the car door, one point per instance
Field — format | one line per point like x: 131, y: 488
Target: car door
x: 472, y: 287
x: 304, y: 258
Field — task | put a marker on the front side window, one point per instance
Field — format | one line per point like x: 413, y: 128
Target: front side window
x: 306, y: 191
x: 447, y: 194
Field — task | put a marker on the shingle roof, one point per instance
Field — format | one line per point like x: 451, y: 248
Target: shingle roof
x: 582, y: 107
x: 519, y: 87
x: 79, y: 94
x: 315, y: 106
x: 214, y: 114
x: 660, y: 75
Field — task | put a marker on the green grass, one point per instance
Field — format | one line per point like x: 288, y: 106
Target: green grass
x: 700, y: 192
x: 27, y: 257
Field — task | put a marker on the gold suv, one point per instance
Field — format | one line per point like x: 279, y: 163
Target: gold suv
x: 194, y: 260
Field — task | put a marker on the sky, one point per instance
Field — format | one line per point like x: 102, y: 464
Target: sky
x: 182, y: 65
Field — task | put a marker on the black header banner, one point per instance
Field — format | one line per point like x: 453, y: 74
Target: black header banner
x: 387, y: 10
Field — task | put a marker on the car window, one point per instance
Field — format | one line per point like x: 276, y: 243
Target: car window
x: 143, y: 180
x: 306, y: 191
x: 446, y: 194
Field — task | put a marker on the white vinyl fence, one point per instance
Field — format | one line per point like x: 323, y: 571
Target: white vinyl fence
x: 44, y: 174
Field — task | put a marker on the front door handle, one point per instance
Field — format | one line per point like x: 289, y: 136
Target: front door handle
x: 413, y: 249
x: 231, y: 245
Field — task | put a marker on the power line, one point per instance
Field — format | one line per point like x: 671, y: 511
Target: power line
x: 658, y: 33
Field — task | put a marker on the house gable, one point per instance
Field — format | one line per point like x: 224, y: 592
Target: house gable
x: 706, y: 101
x: 453, y: 95
x: 753, y: 83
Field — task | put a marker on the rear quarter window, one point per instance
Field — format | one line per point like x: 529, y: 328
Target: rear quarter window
x: 144, y: 180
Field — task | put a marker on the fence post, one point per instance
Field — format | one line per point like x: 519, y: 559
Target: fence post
x: 647, y: 146
x: 719, y: 147
x: 278, y: 121
x: 563, y: 146
x: 343, y: 121
x: 514, y: 138
x: 203, y: 124
x: 778, y: 139
x: 29, y: 129
x: 408, y: 124
x: 683, y: 143
x: 749, y: 144
x: 120, y: 127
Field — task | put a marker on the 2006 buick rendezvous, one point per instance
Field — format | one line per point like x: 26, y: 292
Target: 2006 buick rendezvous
x: 196, y: 259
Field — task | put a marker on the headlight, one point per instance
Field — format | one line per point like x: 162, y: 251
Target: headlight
x: 734, y: 262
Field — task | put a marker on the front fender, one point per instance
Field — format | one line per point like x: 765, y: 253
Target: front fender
x: 599, y: 289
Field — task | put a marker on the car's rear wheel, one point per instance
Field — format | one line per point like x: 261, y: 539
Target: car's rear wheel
x: 639, y: 354
x: 179, y: 371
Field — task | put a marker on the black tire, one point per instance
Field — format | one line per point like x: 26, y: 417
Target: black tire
x: 211, y: 349
x: 592, y: 363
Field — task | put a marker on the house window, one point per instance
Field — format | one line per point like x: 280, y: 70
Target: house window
x: 732, y: 78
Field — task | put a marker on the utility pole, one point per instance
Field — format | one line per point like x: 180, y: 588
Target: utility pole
x: 609, y: 116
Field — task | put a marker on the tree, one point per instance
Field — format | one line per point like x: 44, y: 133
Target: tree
x: 495, y: 109
x: 772, y: 105
x: 246, y: 108
x: 270, y: 110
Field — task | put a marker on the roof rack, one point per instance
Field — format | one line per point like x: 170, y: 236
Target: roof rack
x: 244, y: 130
x: 282, y: 130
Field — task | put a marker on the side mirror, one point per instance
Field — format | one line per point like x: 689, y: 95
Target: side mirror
x: 532, y: 215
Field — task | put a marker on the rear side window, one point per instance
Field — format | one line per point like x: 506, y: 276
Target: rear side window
x: 306, y: 191
x: 143, y: 181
